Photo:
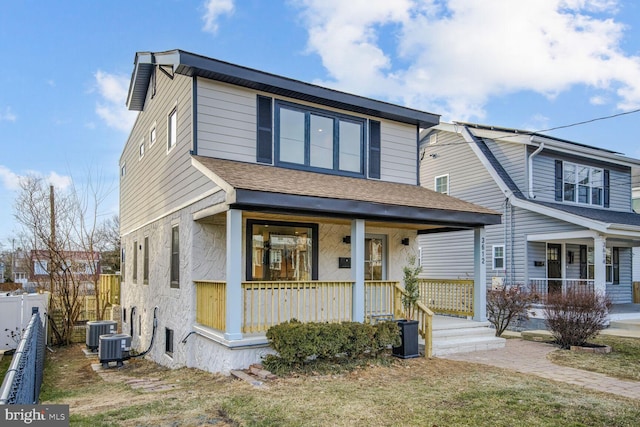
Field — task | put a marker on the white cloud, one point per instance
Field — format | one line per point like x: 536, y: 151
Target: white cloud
x: 213, y: 10
x: 60, y: 182
x: 536, y: 123
x: 9, y: 179
x: 455, y: 55
x: 112, y: 108
x: 7, y: 115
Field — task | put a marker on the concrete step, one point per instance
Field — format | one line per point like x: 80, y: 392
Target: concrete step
x: 632, y: 325
x: 466, y: 345
x: 449, y: 334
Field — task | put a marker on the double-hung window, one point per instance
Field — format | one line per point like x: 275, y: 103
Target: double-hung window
x: 498, y: 257
x: 442, y: 184
x: 314, y: 139
x: 583, y: 184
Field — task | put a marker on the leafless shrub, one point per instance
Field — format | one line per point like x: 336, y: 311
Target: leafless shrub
x: 508, y: 303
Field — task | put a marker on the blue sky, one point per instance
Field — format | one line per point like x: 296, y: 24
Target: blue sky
x: 528, y: 64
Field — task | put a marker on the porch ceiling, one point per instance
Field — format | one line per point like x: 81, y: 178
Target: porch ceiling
x: 264, y: 188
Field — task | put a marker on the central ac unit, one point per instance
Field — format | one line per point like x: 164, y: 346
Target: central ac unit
x: 114, y: 348
x: 96, y: 328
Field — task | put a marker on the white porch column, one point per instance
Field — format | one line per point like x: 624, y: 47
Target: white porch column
x: 479, y: 276
x: 599, y: 264
x: 234, y: 276
x: 357, y: 269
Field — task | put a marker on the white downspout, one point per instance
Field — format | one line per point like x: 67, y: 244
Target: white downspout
x: 535, y: 153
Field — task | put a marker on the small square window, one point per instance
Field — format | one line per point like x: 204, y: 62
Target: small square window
x: 142, y: 149
x: 168, y: 341
x: 152, y: 136
x: 123, y: 170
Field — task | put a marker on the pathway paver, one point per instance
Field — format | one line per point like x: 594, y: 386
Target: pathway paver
x: 530, y: 357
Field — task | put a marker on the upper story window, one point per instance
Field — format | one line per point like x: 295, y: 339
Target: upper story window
x: 583, y: 184
x: 152, y: 135
x: 123, y: 170
x: 141, y: 149
x: 315, y: 139
x: 441, y: 184
x: 172, y: 129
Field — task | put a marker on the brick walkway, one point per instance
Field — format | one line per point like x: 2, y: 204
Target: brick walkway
x: 531, y: 358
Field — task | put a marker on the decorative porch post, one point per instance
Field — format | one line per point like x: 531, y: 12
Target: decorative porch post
x: 233, y: 303
x: 479, y: 276
x: 599, y: 264
x: 357, y: 269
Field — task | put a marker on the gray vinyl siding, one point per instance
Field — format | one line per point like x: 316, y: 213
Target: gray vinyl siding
x: 544, y: 178
x: 622, y: 293
x: 398, y: 153
x: 162, y: 180
x: 226, y: 121
x: 468, y: 179
x: 636, y: 264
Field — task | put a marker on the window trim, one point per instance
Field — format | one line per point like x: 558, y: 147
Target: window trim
x: 174, y: 262
x: 169, y: 337
x: 141, y: 149
x: 172, y: 113
x: 576, y: 184
x: 123, y: 169
x: 153, y: 134
x: 134, y: 276
x: 249, y: 244
x: 435, y: 183
x: 336, y: 117
x: 493, y: 258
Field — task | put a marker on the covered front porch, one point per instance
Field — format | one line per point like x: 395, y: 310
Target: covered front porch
x: 582, y: 261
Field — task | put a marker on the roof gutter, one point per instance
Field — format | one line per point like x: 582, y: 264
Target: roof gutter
x: 535, y: 153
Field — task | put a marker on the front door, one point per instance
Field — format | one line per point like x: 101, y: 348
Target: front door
x: 375, y: 258
x: 554, y: 267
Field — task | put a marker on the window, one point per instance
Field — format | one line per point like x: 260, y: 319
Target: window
x: 320, y: 140
x: 168, y: 341
x: 442, y: 184
x: 611, y: 261
x: 498, y: 257
x: 175, y: 257
x: 583, y: 184
x: 141, y: 149
x: 123, y: 169
x: 145, y: 268
x: 281, y: 251
x: 135, y: 261
x: 152, y: 135
x: 172, y: 129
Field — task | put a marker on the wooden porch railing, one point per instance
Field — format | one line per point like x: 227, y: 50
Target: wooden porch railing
x: 211, y: 303
x: 269, y: 303
x: 447, y: 296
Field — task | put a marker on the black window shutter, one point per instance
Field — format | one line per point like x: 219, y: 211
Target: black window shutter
x: 265, y: 131
x: 606, y: 191
x: 583, y: 261
x: 374, y: 149
x: 559, y: 180
x: 616, y: 265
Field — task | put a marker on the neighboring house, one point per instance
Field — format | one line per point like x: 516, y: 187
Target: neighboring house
x: 248, y: 199
x: 567, y: 216
x: 635, y: 186
x: 83, y: 265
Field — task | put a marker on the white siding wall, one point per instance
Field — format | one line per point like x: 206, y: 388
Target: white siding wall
x: 162, y: 180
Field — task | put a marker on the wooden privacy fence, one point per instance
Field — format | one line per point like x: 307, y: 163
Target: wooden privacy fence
x: 446, y: 296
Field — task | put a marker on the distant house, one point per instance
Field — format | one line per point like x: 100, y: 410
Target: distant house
x: 84, y: 266
x: 566, y: 207
x: 248, y: 199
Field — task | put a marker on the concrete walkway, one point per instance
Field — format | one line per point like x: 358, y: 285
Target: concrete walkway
x: 531, y: 358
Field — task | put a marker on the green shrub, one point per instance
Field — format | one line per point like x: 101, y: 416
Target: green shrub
x: 300, y: 343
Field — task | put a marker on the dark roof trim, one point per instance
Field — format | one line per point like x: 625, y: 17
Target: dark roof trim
x: 289, y: 203
x: 443, y: 230
x: 190, y: 64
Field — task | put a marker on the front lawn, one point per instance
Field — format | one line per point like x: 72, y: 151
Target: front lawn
x: 623, y: 362
x: 408, y: 392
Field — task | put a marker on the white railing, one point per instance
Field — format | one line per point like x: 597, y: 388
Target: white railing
x: 543, y: 286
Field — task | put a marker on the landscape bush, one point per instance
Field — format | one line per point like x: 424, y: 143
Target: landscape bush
x: 575, y: 317
x: 508, y: 303
x: 298, y: 343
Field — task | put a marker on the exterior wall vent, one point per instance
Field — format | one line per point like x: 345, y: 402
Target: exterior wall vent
x: 114, y: 348
x: 97, y: 328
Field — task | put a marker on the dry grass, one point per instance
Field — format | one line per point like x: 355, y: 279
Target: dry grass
x: 623, y: 362
x: 425, y: 392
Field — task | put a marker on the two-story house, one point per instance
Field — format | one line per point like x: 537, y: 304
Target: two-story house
x: 248, y: 199
x: 567, y: 209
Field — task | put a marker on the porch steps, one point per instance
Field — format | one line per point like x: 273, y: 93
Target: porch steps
x: 453, y: 335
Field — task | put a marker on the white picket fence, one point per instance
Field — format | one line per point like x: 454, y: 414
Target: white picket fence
x: 15, y: 314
